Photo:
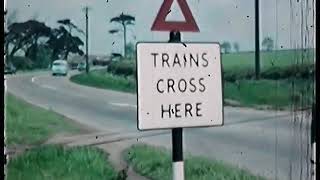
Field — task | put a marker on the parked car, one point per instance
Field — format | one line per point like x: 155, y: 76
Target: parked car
x: 60, y: 67
x: 73, y: 66
x: 10, y: 69
x: 81, y: 66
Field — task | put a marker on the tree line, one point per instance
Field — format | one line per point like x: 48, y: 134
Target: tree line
x: 31, y: 37
x: 267, y: 44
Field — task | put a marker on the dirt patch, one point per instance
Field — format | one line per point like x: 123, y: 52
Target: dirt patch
x: 111, y: 142
x: 13, y: 151
x: 116, y: 157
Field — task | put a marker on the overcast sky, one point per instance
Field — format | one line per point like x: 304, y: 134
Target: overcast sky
x: 218, y: 20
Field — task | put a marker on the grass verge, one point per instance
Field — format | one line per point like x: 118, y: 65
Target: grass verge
x: 30, y: 125
x: 280, y: 94
x: 57, y: 162
x: 275, y: 94
x: 155, y: 163
x: 103, y: 79
x: 27, y: 124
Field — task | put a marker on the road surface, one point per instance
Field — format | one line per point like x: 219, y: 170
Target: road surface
x: 269, y: 143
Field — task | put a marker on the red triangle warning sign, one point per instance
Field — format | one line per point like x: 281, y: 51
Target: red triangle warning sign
x: 160, y: 23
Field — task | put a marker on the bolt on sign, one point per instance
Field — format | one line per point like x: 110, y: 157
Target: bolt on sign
x: 179, y: 85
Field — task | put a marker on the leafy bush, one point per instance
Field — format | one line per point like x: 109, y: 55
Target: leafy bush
x: 22, y: 63
x: 43, y: 59
x: 237, y: 74
x: 124, y: 68
x: 96, y: 62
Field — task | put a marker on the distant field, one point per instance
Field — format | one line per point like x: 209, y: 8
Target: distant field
x: 272, y: 93
x: 277, y: 58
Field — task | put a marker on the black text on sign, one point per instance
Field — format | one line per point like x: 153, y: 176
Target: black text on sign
x: 179, y: 86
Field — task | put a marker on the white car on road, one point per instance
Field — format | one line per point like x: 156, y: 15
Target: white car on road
x: 60, y: 67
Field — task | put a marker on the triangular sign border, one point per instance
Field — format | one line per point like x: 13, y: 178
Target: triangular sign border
x: 160, y: 23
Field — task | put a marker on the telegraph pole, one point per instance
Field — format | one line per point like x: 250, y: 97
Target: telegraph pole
x: 87, y: 55
x: 257, y: 39
x: 316, y: 111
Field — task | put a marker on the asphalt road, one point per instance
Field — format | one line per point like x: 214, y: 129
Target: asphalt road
x: 273, y: 144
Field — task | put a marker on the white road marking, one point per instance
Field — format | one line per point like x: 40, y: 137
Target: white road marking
x: 33, y: 79
x: 123, y: 105
x: 48, y: 87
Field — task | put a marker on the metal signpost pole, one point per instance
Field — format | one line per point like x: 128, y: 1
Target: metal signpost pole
x: 177, y: 138
x: 177, y: 154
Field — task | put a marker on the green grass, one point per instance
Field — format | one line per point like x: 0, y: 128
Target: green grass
x: 27, y: 124
x: 105, y: 80
x: 276, y: 94
x: 245, y: 60
x: 272, y: 93
x: 249, y: 93
x: 155, y: 163
x: 57, y: 162
x: 30, y: 125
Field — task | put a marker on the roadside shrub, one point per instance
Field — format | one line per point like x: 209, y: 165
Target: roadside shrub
x: 124, y: 68
x: 305, y: 71
x: 21, y: 63
x: 231, y: 75
x: 96, y: 62
x: 273, y: 73
x: 43, y: 59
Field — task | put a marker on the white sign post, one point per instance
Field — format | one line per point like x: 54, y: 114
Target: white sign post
x: 179, y: 85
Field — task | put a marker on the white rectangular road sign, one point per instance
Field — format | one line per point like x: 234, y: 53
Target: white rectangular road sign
x: 179, y: 85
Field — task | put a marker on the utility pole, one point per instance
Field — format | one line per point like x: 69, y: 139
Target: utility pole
x: 257, y: 39
x: 87, y: 55
x: 316, y: 117
x: 6, y: 47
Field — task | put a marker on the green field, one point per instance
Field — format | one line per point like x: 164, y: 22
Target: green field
x: 156, y: 163
x: 26, y: 124
x: 275, y: 94
x: 244, y: 60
